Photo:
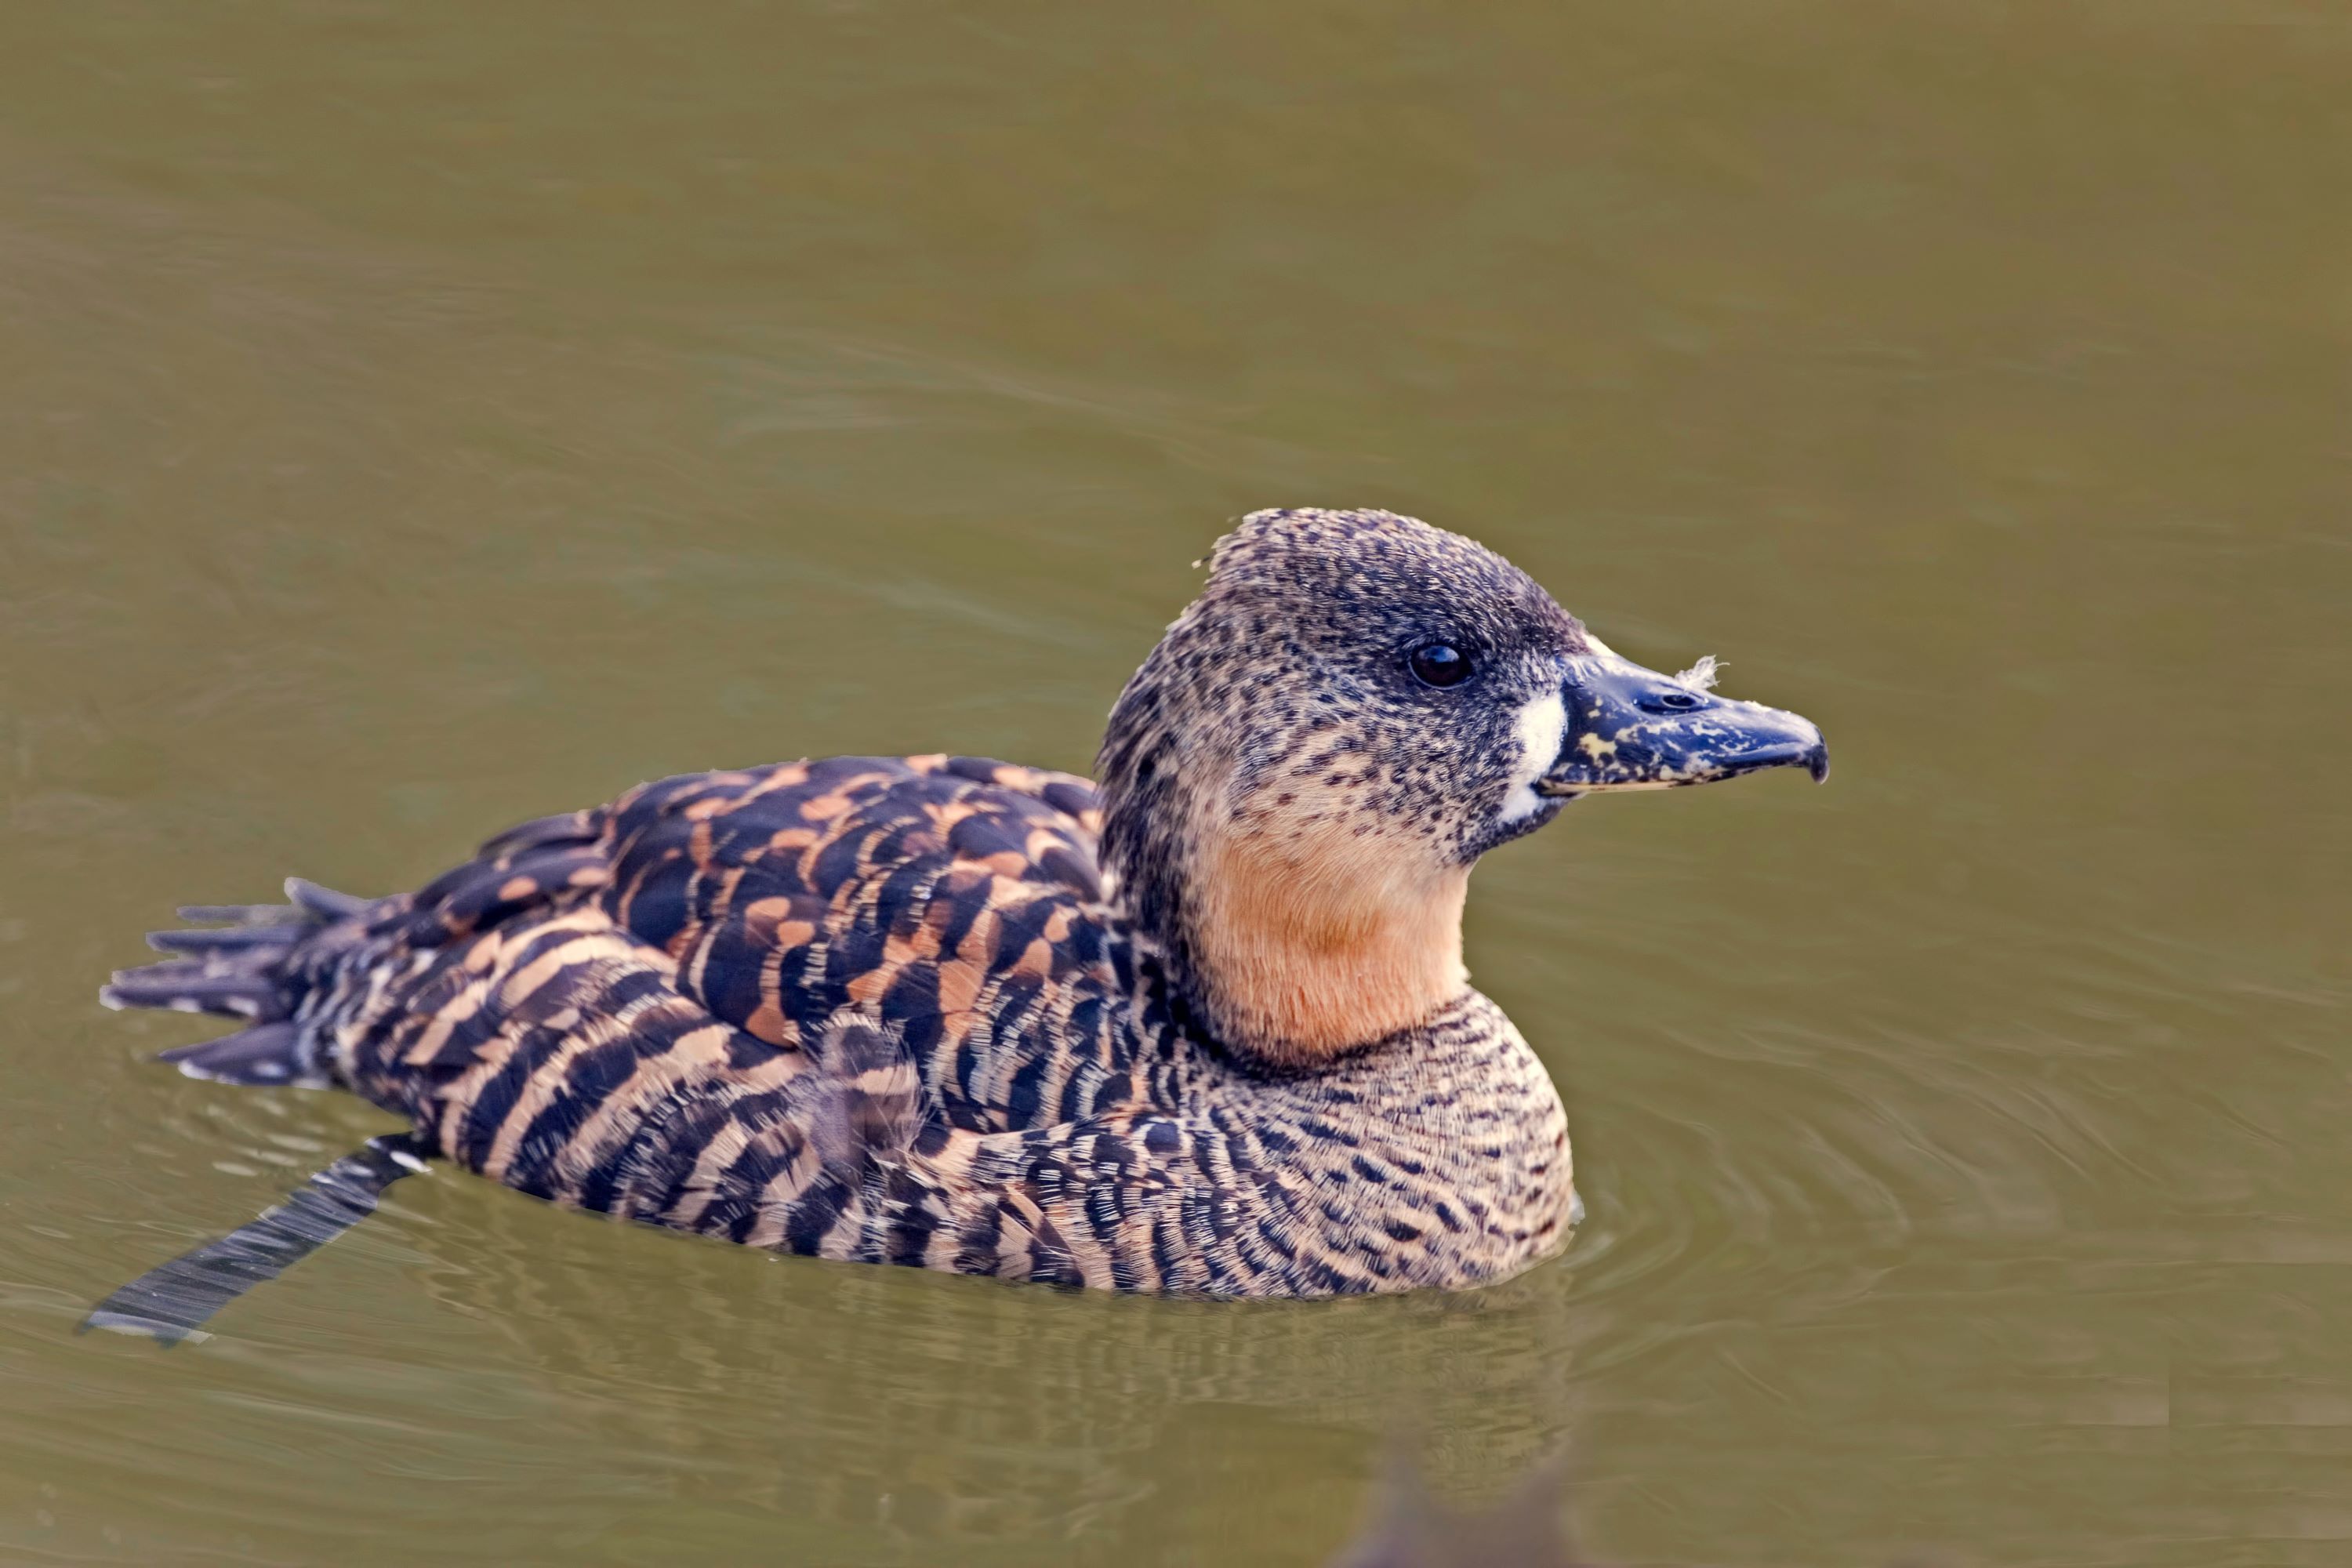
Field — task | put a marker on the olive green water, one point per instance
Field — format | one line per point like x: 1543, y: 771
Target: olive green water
x: 421, y: 418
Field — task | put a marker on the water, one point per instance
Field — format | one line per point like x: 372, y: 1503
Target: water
x: 423, y: 417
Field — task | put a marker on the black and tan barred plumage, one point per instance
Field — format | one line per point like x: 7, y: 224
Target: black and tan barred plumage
x: 1206, y: 1031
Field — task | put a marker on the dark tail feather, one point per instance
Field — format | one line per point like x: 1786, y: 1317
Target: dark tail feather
x: 173, y: 1302
x: 244, y: 914
x: 195, y: 939
x: 239, y: 969
x: 324, y: 902
x: 191, y: 987
x: 265, y: 1054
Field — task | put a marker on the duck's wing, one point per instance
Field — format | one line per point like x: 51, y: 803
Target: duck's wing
x: 956, y: 898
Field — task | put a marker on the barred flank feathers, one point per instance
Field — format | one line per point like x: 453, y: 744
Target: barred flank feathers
x: 867, y: 1099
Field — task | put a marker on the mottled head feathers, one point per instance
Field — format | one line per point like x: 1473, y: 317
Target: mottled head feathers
x: 1292, y: 804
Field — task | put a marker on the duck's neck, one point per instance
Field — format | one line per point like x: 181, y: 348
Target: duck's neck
x: 1305, y: 948
x: 1293, y: 927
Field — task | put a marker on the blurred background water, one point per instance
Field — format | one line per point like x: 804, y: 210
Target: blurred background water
x: 424, y: 416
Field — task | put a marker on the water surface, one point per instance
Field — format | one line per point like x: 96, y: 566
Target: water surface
x: 422, y: 418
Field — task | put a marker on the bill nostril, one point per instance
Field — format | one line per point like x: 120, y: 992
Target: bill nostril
x: 1672, y: 701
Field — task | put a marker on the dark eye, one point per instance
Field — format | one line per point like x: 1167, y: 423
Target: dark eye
x: 1440, y: 664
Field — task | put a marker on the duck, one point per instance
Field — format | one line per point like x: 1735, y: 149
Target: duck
x: 1199, y: 1026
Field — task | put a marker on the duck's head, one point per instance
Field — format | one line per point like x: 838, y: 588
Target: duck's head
x: 1358, y: 706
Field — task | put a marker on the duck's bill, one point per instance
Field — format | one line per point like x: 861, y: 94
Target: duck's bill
x: 1630, y: 728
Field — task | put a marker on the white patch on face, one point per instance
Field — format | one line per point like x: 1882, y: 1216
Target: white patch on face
x: 1540, y: 725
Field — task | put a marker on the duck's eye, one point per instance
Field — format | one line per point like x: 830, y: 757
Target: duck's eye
x: 1440, y: 664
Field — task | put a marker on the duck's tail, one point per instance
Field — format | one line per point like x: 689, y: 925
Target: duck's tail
x: 246, y: 969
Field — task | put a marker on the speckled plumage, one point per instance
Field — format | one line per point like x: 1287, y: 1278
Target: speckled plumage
x: 954, y: 1013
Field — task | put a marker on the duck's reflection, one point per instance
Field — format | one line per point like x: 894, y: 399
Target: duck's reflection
x: 891, y: 1406
x: 1411, y: 1528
